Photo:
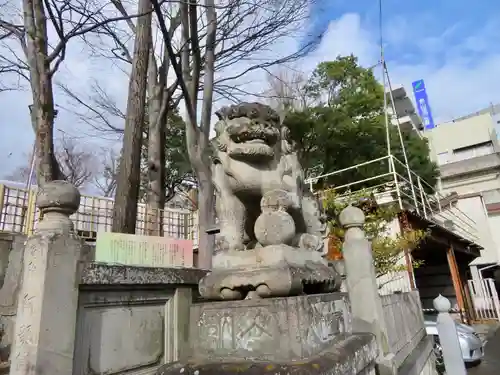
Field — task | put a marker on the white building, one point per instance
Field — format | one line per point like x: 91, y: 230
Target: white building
x: 468, y: 154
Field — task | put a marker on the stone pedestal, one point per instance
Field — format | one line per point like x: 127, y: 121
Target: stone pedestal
x: 44, y: 332
x: 280, y: 329
x: 302, y: 334
x: 270, y: 271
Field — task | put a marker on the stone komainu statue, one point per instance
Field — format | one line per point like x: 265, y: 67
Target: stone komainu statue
x: 254, y: 158
x: 270, y: 225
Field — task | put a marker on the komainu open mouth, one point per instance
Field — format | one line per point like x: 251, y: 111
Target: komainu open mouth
x: 258, y: 136
x: 256, y: 141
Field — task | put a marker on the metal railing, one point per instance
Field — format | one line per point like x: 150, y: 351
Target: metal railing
x: 19, y: 214
x: 401, y: 185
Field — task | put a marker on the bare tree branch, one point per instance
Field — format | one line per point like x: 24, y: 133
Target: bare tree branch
x: 287, y: 91
x: 105, y: 180
x: 246, y: 31
x: 77, y: 162
x: 78, y: 165
x: 95, y: 114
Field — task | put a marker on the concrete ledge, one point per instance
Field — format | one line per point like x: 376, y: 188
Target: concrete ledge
x: 410, y: 346
x: 9, y: 236
x: 477, y: 164
x: 418, y: 359
x: 95, y: 273
x: 350, y: 354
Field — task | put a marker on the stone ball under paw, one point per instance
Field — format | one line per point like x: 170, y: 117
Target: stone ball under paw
x: 274, y: 228
x: 276, y: 200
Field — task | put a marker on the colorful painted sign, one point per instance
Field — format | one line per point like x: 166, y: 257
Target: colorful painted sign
x: 148, y: 251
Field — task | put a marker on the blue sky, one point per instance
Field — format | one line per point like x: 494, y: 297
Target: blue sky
x: 427, y: 18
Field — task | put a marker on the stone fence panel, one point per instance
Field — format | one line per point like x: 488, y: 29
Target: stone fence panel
x: 405, y: 325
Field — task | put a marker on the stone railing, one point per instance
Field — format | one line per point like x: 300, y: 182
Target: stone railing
x: 395, y: 319
x: 405, y: 323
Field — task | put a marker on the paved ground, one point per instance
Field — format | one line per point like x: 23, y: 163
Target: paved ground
x: 491, y: 362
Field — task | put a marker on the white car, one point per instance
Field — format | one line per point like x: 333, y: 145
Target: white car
x: 470, y: 342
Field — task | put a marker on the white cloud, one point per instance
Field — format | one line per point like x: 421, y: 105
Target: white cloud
x: 343, y: 37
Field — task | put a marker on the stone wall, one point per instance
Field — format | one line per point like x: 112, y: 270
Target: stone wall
x: 408, y: 341
x: 11, y: 262
x: 124, y: 314
x: 405, y: 323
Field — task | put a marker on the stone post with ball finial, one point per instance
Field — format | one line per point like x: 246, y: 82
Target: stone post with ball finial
x: 44, y: 333
x: 361, y: 282
x: 448, y: 338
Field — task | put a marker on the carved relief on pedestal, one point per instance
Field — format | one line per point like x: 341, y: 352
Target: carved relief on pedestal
x: 279, y: 328
x: 250, y: 330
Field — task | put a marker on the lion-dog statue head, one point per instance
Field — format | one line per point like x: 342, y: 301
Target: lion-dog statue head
x: 249, y: 132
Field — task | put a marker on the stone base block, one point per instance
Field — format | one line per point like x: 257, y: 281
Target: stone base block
x: 353, y: 354
x: 271, y: 271
x: 267, y: 256
x: 271, y: 329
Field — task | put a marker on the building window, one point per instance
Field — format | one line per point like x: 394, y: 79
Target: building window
x: 474, y: 151
x: 443, y: 158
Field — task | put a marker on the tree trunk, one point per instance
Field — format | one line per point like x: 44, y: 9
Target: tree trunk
x: 206, y: 219
x: 188, y: 74
x: 42, y: 111
x: 197, y: 139
x: 128, y: 181
x: 156, y: 164
x: 159, y: 105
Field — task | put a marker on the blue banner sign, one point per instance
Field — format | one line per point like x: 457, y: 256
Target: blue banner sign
x: 422, y: 101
